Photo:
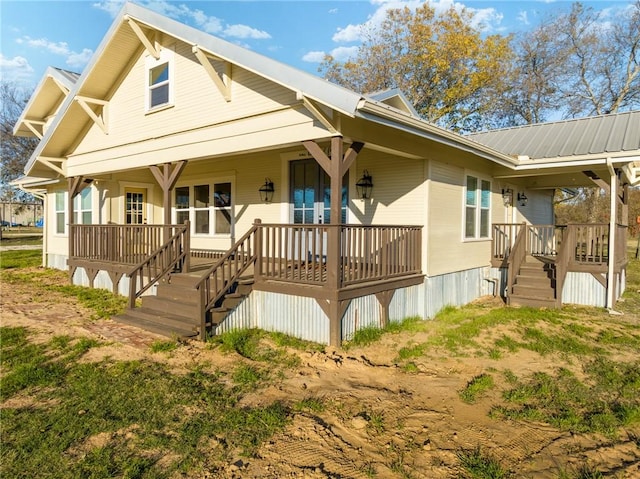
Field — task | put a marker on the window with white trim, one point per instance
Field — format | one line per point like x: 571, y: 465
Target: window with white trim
x: 477, y: 214
x: 61, y: 212
x: 82, y: 207
x: 208, y: 207
x: 159, y: 87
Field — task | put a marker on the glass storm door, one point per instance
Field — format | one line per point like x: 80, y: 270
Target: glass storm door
x: 135, y: 205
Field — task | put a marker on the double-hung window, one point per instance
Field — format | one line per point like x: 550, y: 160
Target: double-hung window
x: 160, y: 85
x: 60, y: 209
x: 208, y: 206
x: 82, y: 207
x: 477, y: 208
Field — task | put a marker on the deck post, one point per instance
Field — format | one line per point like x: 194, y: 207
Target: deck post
x: 257, y: 245
x: 611, y: 259
x: 167, y: 179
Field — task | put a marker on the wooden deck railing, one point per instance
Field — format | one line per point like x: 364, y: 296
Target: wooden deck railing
x: 543, y: 240
x: 565, y: 255
x: 219, y: 278
x: 516, y: 258
x: 298, y: 253
x: 122, y: 244
x: 173, y: 254
x: 591, y: 243
x: 504, y: 236
x: 371, y: 253
x: 621, y: 246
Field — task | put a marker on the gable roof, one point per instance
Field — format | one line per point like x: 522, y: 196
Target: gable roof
x: 53, y: 87
x: 615, y: 134
x: 395, y: 98
x: 120, y: 43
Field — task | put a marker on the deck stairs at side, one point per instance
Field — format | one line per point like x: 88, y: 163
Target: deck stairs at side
x: 174, y: 312
x: 535, y: 284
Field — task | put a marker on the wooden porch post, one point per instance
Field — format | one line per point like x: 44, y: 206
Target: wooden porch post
x: 167, y: 179
x: 336, y: 167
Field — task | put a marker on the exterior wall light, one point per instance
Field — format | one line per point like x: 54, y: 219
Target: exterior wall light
x: 507, y: 197
x: 365, y: 185
x: 522, y: 199
x: 266, y: 191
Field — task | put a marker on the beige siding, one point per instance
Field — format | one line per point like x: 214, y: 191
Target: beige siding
x: 447, y: 250
x: 539, y: 208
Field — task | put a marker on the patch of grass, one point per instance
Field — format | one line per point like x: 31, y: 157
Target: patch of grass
x: 245, y: 342
x: 410, y: 367
x: 376, y: 421
x: 17, y: 259
x: 546, y: 343
x: 246, y: 376
x: 408, y: 352
x: 478, y: 465
x: 310, y: 404
x: 370, y: 334
x: 164, y: 346
x: 476, y: 387
x: 140, y: 409
x: 584, y: 471
x: 610, y: 399
x: 286, y: 341
x: 104, y: 303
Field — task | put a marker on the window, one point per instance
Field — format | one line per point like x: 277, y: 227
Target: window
x: 159, y: 81
x: 182, y: 204
x: 82, y: 207
x: 60, y: 208
x: 222, y: 207
x: 477, y: 208
x: 208, y: 207
x: 201, y: 208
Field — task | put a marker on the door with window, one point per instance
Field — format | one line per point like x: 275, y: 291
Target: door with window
x: 135, y: 206
x: 310, y: 199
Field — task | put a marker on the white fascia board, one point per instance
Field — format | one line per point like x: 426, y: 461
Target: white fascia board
x: 391, y: 117
x: 585, y: 160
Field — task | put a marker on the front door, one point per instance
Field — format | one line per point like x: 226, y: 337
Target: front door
x: 135, y: 206
x: 310, y: 194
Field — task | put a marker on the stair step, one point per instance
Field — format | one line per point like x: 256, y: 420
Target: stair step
x: 534, y: 281
x: 157, y: 327
x: 532, y: 302
x: 534, y: 292
x: 183, y: 294
x: 170, y: 306
x: 167, y: 319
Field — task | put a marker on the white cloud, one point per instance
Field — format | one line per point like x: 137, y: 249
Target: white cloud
x: 314, y: 57
x: 73, y: 59
x: 523, y: 17
x: 15, y: 69
x: 340, y: 54
x: 79, y: 60
x: 112, y: 7
x: 244, y: 31
x: 485, y: 19
x: 333, y: 10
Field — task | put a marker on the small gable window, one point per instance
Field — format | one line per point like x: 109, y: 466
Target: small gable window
x: 159, y: 81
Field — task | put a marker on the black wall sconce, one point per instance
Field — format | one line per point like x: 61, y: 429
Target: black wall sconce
x: 507, y: 197
x: 365, y: 185
x: 522, y: 199
x: 266, y: 191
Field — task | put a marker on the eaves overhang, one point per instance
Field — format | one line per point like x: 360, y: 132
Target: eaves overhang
x: 391, y: 117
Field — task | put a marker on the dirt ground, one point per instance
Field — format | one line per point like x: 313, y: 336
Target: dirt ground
x: 423, y: 422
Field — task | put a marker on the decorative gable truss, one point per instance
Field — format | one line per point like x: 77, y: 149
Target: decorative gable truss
x: 98, y: 111
x: 221, y: 81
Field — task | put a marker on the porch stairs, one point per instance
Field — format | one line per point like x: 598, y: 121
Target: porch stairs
x: 535, y: 284
x: 173, y: 311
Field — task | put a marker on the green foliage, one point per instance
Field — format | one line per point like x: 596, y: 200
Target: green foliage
x: 16, y: 259
x: 140, y: 409
x: 478, y: 465
x: 476, y: 388
x: 164, y: 346
x: 311, y: 404
x: 609, y: 400
x: 370, y: 334
x: 247, y: 376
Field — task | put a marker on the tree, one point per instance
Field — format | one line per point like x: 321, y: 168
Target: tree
x: 16, y: 150
x: 451, y: 73
x: 578, y: 64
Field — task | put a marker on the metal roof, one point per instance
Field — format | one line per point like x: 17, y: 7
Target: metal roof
x: 597, y: 135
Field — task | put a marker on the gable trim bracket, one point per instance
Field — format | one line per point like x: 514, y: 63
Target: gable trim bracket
x: 153, y: 51
x: 100, y: 119
x: 31, y: 124
x: 317, y: 113
x: 51, y: 163
x: 222, y: 82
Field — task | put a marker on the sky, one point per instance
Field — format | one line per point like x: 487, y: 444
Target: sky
x: 65, y: 34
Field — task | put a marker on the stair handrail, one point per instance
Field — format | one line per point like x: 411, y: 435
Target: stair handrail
x: 242, y: 255
x: 516, y: 257
x: 172, y: 253
x: 565, y: 255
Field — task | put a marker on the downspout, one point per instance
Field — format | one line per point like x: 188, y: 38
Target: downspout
x: 612, y: 236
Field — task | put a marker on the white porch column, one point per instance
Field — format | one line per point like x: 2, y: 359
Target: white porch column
x: 612, y: 234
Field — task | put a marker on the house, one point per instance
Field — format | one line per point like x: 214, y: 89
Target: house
x: 229, y: 190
